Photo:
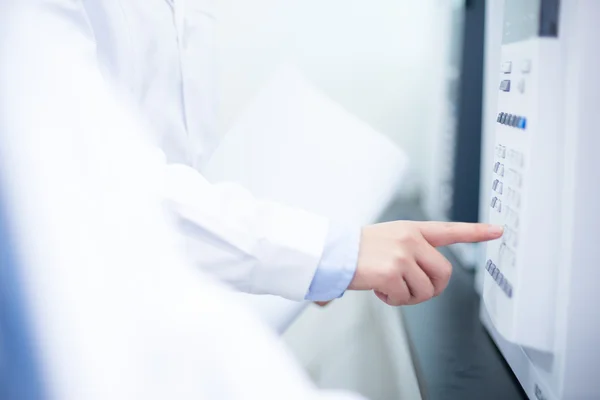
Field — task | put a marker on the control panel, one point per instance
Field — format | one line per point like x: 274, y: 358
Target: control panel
x: 521, y: 266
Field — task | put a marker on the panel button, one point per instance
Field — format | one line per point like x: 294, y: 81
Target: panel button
x: 496, y: 167
x: 495, y: 274
x: 500, y: 279
x: 514, y: 239
x: 494, y: 201
x: 526, y: 66
x: 521, y: 86
x: 509, y: 119
x: 507, y: 67
x: 522, y: 123
x: 504, y: 118
x: 515, y: 121
x: 488, y: 265
x: 499, y: 187
x: 501, y: 170
x: 499, y: 117
x: 505, y: 85
x: 509, y: 290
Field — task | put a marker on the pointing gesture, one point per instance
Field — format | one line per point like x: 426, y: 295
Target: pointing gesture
x: 400, y: 262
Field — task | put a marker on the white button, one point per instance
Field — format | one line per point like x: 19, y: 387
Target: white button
x: 507, y: 67
x: 521, y: 86
x: 514, y: 239
x: 499, y: 188
x: 518, y: 179
x: 501, y: 170
x: 526, y: 66
x: 519, y: 159
x: 507, y: 236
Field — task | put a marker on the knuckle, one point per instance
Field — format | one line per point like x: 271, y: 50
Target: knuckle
x: 426, y: 293
x: 409, y: 237
x: 401, y: 258
x: 446, y: 271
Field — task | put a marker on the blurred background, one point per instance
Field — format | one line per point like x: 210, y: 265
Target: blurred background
x: 384, y: 61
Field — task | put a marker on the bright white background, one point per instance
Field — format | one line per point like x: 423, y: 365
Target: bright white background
x: 383, y: 60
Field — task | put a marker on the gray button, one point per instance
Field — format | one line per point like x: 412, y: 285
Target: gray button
x: 509, y: 120
x: 500, y: 279
x: 509, y: 290
x: 494, y: 201
x: 495, y: 274
x: 488, y: 264
x: 492, y: 269
x: 499, y: 117
x: 505, y: 85
x: 496, y: 166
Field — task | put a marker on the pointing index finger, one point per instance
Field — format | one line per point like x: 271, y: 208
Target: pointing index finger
x: 445, y: 233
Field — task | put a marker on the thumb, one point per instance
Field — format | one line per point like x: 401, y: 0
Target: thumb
x: 445, y: 233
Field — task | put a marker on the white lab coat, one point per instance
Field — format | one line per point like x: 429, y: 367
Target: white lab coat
x: 160, y: 53
x: 113, y: 309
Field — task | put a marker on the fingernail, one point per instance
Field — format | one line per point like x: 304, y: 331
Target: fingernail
x: 496, y: 230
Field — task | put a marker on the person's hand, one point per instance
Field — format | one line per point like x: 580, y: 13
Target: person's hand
x: 399, y: 260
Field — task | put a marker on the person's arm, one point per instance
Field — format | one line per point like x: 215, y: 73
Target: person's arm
x: 113, y: 310
x: 262, y: 247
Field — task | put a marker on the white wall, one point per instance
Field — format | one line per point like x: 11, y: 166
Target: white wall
x: 380, y: 59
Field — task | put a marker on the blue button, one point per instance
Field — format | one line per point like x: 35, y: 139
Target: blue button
x: 523, y: 123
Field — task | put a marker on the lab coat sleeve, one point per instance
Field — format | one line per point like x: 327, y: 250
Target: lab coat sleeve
x: 257, y: 246
x: 143, y: 328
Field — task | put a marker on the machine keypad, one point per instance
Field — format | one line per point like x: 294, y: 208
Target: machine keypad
x: 506, y: 200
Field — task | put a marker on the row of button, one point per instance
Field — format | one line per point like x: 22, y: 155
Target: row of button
x: 499, y: 278
x: 525, y: 67
x: 512, y: 120
x: 505, y: 85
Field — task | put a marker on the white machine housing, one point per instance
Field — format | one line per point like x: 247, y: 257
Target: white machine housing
x: 539, y: 288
